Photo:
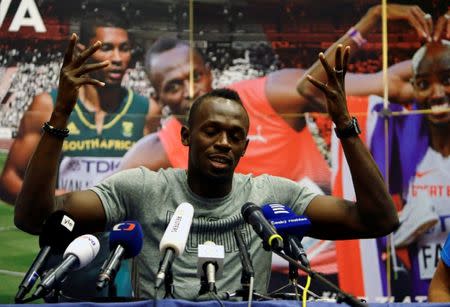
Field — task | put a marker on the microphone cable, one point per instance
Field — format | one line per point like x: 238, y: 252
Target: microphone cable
x: 216, y: 297
x: 305, y: 290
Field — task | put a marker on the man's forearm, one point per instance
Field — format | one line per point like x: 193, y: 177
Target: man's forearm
x: 374, y: 203
x: 10, y: 185
x: 36, y: 200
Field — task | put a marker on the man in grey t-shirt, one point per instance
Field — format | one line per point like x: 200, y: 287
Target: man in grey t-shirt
x: 216, y: 134
x: 214, y: 220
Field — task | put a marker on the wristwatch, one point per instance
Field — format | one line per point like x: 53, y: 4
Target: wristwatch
x: 351, y: 130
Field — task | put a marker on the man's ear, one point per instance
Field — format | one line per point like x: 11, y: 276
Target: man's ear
x: 185, y: 135
x: 155, y: 98
x: 245, y: 148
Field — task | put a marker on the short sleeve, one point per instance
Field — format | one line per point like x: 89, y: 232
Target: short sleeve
x: 291, y: 193
x: 118, y: 193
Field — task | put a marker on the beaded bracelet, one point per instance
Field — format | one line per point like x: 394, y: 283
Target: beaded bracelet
x: 60, y: 133
x: 356, y: 36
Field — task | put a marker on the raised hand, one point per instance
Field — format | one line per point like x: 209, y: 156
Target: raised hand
x: 334, y: 89
x: 73, y: 74
x: 416, y: 17
x: 442, y: 28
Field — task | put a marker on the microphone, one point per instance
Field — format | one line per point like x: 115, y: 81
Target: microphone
x: 57, y: 232
x: 77, y: 255
x: 291, y: 226
x: 210, y: 264
x: 247, y: 268
x: 254, y: 216
x: 174, y: 239
x: 125, y: 241
x: 285, y: 220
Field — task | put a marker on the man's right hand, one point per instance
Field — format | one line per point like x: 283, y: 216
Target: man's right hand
x: 415, y: 16
x: 36, y: 199
x: 74, y: 73
x: 334, y: 88
x: 442, y: 28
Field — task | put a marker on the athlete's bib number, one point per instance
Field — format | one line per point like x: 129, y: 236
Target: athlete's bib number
x: 429, y: 255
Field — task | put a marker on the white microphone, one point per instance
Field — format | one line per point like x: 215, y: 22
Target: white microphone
x: 210, y: 264
x: 77, y: 255
x: 174, y: 239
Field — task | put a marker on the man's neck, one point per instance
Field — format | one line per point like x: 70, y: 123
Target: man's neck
x: 106, y: 99
x: 440, y: 139
x: 209, y: 188
x: 101, y: 101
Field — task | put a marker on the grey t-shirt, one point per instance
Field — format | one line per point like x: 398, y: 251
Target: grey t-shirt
x: 152, y: 197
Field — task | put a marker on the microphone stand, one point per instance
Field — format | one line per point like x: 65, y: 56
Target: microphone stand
x: 294, y: 249
x: 50, y: 298
x: 167, y: 278
x: 168, y: 283
x: 248, y: 273
x: 246, y: 282
x: 341, y: 295
x: 205, y: 287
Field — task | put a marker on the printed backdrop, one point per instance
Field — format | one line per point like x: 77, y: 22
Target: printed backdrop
x: 241, y: 40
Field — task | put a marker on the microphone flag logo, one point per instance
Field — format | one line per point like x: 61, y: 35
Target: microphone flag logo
x: 126, y: 226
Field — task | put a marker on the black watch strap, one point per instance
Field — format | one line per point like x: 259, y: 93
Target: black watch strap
x: 351, y: 130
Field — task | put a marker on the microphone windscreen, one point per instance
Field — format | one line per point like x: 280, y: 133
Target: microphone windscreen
x: 285, y: 220
x: 273, y: 211
x: 128, y: 235
x: 247, y: 209
x: 177, y: 231
x: 85, y: 248
x: 58, y: 231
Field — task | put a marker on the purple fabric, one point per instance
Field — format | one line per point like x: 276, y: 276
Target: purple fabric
x: 419, y: 286
x: 408, y: 143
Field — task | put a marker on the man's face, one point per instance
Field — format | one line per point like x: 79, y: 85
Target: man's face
x: 116, y: 48
x: 432, y: 83
x: 217, y: 139
x: 170, y: 77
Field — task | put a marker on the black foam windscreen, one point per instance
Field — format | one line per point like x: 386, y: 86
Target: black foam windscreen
x: 58, y: 231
